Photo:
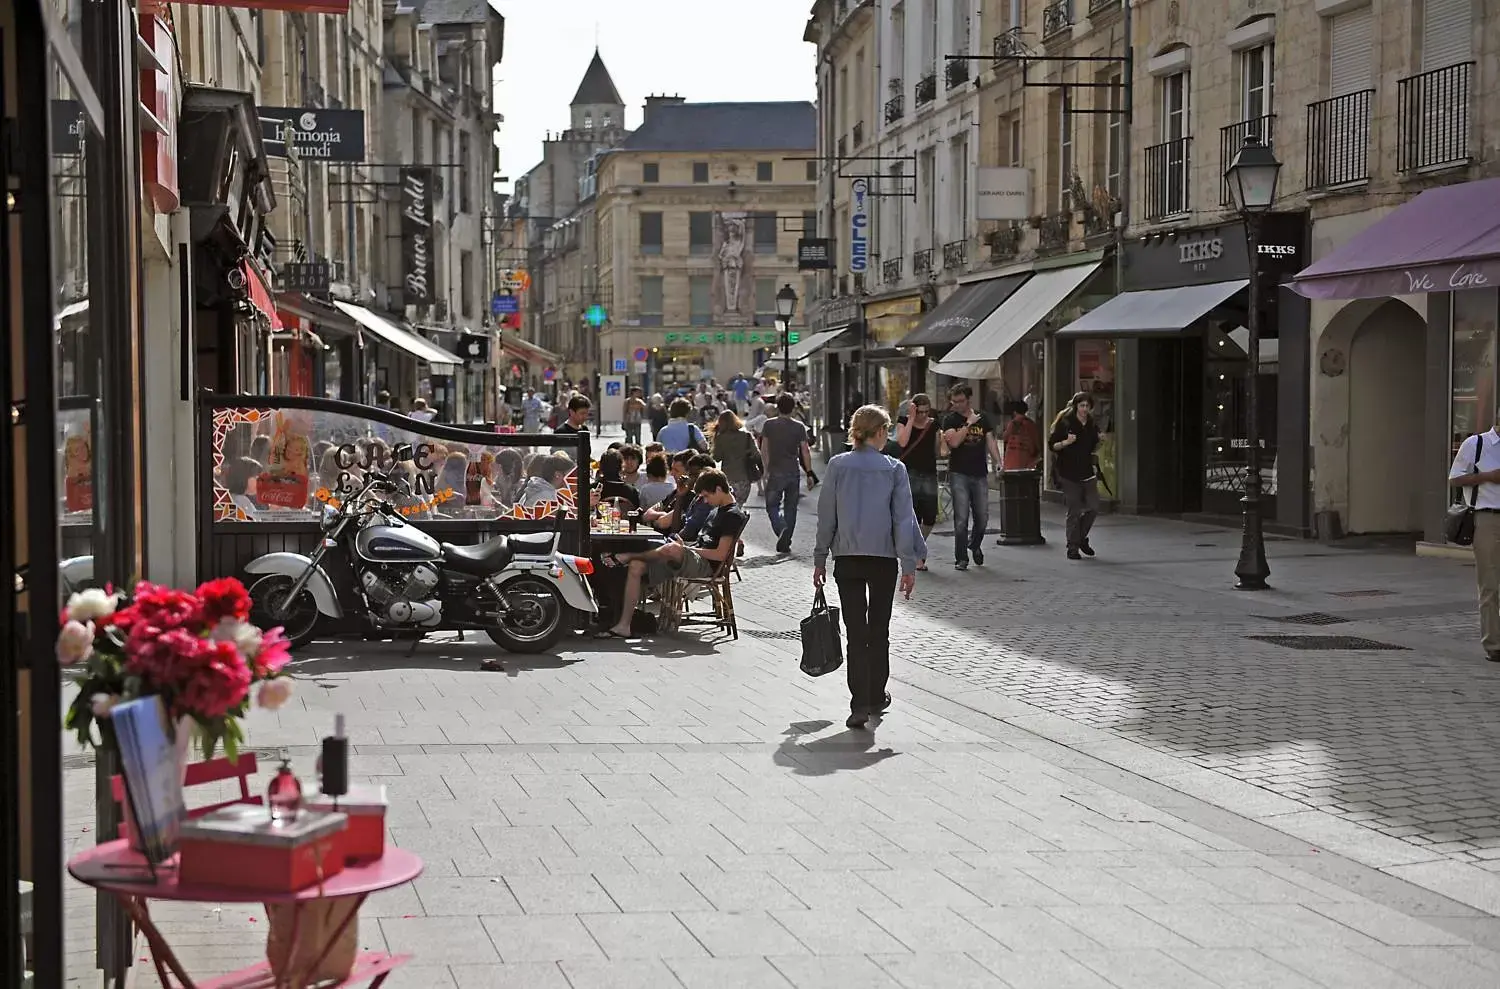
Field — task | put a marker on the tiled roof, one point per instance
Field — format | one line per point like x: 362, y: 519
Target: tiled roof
x: 597, y: 88
x: 790, y: 126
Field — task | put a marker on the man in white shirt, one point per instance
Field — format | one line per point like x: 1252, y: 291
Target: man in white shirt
x: 1480, y: 475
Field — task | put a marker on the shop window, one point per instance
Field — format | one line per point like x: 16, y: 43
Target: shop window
x: 1094, y: 373
x: 700, y: 233
x: 1474, y: 339
x: 700, y: 300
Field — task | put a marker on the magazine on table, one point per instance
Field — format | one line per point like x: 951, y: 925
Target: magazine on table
x: 153, y: 779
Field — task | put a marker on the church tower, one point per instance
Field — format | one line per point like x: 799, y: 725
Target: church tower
x: 597, y: 105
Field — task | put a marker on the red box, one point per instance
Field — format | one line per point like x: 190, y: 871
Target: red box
x: 365, y: 805
x: 240, y: 847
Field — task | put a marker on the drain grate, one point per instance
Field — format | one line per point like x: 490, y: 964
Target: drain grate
x: 1328, y: 643
x: 1371, y: 593
x: 1308, y: 618
x: 756, y: 633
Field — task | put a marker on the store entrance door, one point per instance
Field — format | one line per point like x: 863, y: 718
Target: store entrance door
x: 1171, y: 425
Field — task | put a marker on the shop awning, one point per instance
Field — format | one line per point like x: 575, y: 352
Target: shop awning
x: 966, y: 308
x: 260, y: 296
x: 1162, y: 311
x: 1445, y: 239
x: 978, y: 354
x: 529, y: 352
x: 809, y: 345
x: 440, y: 360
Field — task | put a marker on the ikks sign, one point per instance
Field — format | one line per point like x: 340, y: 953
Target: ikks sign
x: 313, y: 133
x: 416, y: 236
x: 859, y: 225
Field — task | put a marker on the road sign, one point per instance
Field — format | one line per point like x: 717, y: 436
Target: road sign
x: 502, y: 305
x: 619, y: 365
x: 640, y: 354
x: 640, y: 367
x: 549, y: 374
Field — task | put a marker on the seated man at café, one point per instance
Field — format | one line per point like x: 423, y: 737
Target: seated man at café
x: 697, y: 511
x: 611, y: 486
x: 547, y: 475
x: 660, y: 514
x: 656, y: 485
x: 715, y: 544
x: 630, y: 469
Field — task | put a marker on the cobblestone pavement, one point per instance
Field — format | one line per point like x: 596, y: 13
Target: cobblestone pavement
x: 1093, y: 777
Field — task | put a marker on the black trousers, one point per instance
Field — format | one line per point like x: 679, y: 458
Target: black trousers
x: 867, y: 592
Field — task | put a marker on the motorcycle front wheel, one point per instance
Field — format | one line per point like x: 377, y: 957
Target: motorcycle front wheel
x: 268, y: 596
x: 533, y: 619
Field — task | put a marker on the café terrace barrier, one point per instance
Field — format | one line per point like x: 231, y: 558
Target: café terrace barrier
x: 268, y: 465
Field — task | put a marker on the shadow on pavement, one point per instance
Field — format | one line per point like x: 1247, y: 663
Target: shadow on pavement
x: 846, y: 751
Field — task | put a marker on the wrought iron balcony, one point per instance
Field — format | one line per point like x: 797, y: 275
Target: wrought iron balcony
x: 1338, y: 140
x: 1057, y: 17
x: 1007, y: 48
x: 1168, y: 167
x: 921, y: 263
x: 1004, y: 243
x: 891, y: 271
x: 955, y: 73
x: 895, y: 108
x: 1103, y: 6
x: 1232, y: 138
x: 927, y: 87
x: 1054, y: 231
x: 1433, y: 118
x: 955, y: 255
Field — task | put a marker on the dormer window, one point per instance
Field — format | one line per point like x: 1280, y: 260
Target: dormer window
x: 607, y: 122
x: 588, y: 121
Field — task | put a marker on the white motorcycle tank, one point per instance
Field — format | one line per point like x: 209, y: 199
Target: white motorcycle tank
x: 396, y: 544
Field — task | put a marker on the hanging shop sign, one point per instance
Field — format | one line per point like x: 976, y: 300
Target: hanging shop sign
x: 1002, y: 193
x: 474, y: 348
x: 814, y: 253
x: 859, y: 224
x: 68, y: 128
x: 503, y: 304
x: 306, y: 277
x: 416, y: 236
x: 313, y: 133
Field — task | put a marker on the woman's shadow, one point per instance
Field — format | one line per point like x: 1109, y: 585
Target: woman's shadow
x: 848, y: 750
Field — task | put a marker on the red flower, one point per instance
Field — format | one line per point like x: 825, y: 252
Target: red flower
x: 224, y: 598
x: 275, y: 653
x: 166, y: 609
x: 216, y: 681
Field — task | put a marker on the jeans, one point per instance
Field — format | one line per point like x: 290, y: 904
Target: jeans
x: 633, y: 433
x: 783, y: 491
x: 971, y: 501
x: 1082, y: 501
x: 867, y: 592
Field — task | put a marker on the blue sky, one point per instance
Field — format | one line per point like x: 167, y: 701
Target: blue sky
x: 704, y: 50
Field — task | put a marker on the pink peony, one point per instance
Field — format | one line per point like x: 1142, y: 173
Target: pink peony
x: 75, y: 643
x: 274, y: 693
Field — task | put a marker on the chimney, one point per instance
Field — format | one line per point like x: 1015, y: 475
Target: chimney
x: 652, y: 102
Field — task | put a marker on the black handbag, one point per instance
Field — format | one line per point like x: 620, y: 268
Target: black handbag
x: 755, y: 467
x: 1458, y: 526
x: 822, y: 649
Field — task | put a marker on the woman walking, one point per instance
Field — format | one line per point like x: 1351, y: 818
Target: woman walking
x: 1074, y: 438
x: 917, y: 436
x: 732, y: 447
x: 865, y: 520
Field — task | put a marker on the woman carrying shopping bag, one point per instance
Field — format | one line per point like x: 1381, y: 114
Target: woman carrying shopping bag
x: 865, y: 519
x: 1074, y: 440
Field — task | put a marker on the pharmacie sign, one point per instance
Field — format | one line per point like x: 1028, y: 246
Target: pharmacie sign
x: 760, y: 337
x: 859, y: 225
x: 313, y: 133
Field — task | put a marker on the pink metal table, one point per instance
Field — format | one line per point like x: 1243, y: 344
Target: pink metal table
x: 115, y: 869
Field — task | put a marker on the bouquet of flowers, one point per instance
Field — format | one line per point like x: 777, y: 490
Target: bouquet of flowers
x: 195, y: 649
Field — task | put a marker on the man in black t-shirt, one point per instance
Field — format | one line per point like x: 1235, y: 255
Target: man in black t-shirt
x: 579, y: 408
x: 715, y: 544
x: 969, y: 437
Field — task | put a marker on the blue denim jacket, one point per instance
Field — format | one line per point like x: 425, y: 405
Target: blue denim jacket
x: 865, y: 509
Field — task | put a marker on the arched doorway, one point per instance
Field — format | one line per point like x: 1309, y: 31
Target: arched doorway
x: 1386, y: 399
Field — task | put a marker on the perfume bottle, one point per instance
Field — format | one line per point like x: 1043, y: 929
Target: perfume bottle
x: 284, y: 796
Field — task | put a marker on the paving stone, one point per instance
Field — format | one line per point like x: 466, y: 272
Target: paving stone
x: 727, y: 973
x: 560, y: 894
x: 650, y: 892
x: 617, y: 974
x: 642, y: 936
x: 541, y: 939
x: 1031, y: 969
x: 1027, y: 928
x: 738, y: 935
x: 456, y: 940
x: 1143, y: 969
x: 1240, y: 968
x: 838, y: 972
x: 1118, y: 927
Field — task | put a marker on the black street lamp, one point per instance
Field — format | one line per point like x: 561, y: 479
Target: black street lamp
x: 1252, y: 180
x: 786, y: 307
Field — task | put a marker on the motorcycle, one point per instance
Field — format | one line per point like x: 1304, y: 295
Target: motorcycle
x: 516, y: 588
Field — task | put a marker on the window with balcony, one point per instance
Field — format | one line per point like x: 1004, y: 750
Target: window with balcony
x: 700, y: 300
x: 765, y: 171
x: 1057, y: 19
x: 765, y: 232
x: 1338, y: 128
x: 1064, y: 177
x: 1257, y: 92
x: 650, y: 172
x: 1011, y: 152
x: 650, y: 308
x: 700, y: 172
x: 1167, y: 162
x: 1433, y: 106
x: 700, y: 233
x: 650, y: 233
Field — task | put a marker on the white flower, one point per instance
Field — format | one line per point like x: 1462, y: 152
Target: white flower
x: 75, y: 642
x: 104, y: 703
x: 91, y: 605
x: 274, y: 693
x: 246, y: 637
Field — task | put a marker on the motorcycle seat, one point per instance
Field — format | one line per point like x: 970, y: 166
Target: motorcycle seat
x: 531, y: 543
x: 489, y: 557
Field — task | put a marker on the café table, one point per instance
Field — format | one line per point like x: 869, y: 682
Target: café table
x: 609, y: 582
x: 115, y: 869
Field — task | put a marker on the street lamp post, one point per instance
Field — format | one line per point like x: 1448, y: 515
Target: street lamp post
x: 786, y: 307
x: 1252, y: 179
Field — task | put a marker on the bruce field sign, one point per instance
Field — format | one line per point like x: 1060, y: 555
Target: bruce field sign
x: 1003, y: 193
